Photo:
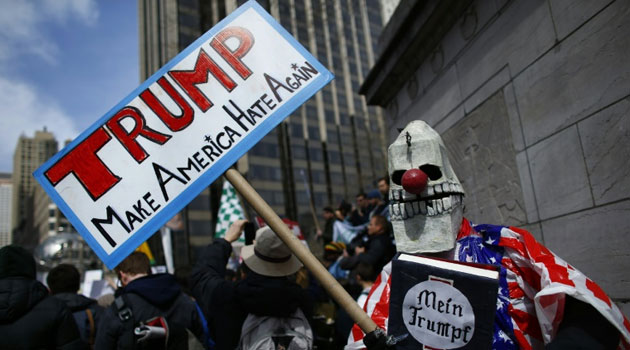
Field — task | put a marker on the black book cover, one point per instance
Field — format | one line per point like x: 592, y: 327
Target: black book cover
x: 442, y: 304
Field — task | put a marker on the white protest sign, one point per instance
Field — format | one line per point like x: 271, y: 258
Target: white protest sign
x: 145, y: 159
x: 438, y: 315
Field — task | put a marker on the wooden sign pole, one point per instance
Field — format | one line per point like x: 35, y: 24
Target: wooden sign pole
x: 334, y: 289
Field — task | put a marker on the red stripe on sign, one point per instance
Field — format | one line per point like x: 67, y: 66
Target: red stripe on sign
x: 246, y: 41
x: 597, y: 292
x: 128, y: 137
x: 189, y: 79
x: 84, y: 163
x: 172, y: 121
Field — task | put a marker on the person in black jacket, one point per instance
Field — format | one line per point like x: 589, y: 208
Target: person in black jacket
x: 266, y: 289
x: 147, y: 296
x: 64, y: 281
x: 377, y: 251
x: 29, y: 317
x: 327, y: 234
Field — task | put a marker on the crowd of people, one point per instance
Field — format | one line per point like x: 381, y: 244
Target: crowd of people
x: 270, y: 301
x: 358, y: 241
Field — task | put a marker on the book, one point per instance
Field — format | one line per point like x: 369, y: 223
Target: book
x: 442, y: 304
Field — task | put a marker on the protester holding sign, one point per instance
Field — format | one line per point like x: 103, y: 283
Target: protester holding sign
x: 265, y: 291
x: 151, y: 154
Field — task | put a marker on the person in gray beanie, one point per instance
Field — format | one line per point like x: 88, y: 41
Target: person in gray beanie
x: 29, y: 317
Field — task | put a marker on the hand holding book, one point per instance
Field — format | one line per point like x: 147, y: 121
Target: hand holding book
x: 442, y: 304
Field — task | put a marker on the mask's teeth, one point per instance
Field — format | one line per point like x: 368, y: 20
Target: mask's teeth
x: 416, y: 207
x: 409, y: 209
x: 438, y: 206
x: 402, y: 210
x: 446, y: 203
x: 437, y: 188
x: 429, y: 191
x: 423, y: 207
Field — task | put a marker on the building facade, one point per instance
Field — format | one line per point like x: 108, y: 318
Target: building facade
x: 532, y: 99
x: 6, y: 194
x: 30, y: 153
x: 48, y: 220
x: 332, y: 147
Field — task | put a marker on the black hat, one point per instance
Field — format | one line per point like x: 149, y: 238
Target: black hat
x: 16, y: 261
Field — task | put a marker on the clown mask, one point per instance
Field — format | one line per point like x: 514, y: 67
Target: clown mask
x: 426, y: 206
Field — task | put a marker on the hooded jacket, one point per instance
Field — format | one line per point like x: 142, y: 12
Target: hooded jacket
x: 226, y: 304
x: 31, y: 319
x: 148, y: 297
x: 78, y: 304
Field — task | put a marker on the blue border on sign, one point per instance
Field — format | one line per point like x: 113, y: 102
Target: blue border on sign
x: 223, y: 164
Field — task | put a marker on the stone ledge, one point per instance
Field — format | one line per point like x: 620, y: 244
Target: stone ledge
x: 414, y: 29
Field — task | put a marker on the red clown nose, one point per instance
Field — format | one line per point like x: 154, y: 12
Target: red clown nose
x: 414, y: 181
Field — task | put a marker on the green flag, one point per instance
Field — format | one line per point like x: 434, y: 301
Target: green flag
x: 230, y: 210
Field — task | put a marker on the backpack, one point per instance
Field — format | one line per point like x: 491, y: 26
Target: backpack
x: 86, y: 324
x: 155, y: 333
x: 276, y: 333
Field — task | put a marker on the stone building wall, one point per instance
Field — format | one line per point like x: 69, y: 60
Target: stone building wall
x: 532, y: 98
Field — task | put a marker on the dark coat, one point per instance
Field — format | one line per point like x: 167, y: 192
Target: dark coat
x: 31, y: 319
x: 148, y: 297
x: 78, y: 304
x: 379, y: 250
x: 327, y: 234
x: 226, y: 304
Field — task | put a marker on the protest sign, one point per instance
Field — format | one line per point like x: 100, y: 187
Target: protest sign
x: 145, y: 159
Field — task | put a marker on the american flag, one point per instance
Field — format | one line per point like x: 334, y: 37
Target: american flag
x: 532, y: 287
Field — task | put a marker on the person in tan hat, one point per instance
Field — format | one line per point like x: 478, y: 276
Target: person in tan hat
x: 269, y: 256
x: 266, y: 289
